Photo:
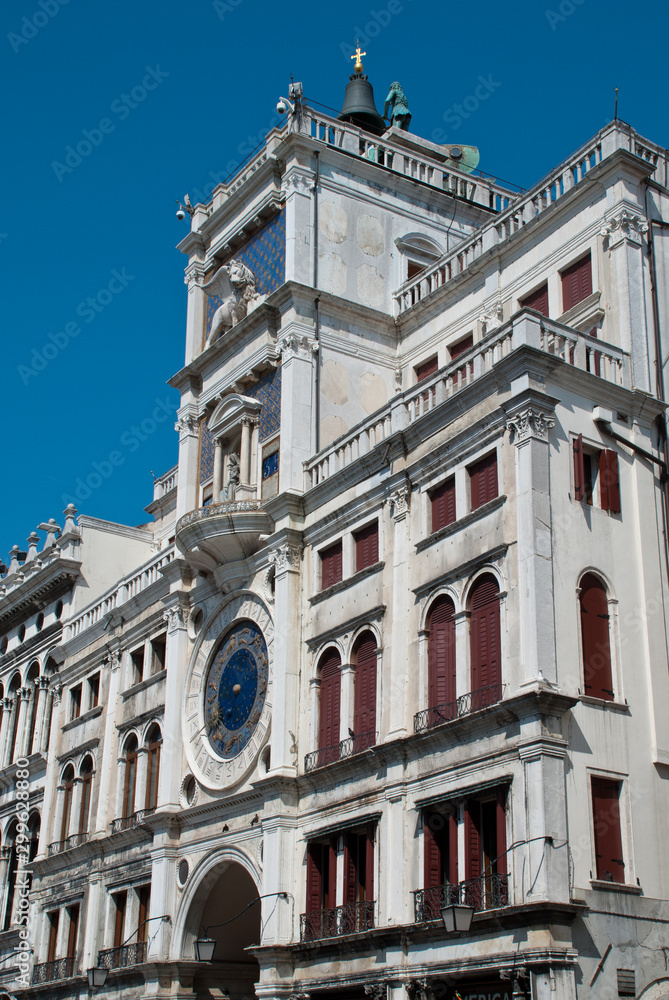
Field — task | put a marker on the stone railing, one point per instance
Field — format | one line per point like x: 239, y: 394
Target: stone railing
x: 526, y: 328
x: 128, y: 588
x: 166, y: 483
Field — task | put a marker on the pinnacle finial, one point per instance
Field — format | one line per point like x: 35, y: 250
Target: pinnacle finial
x: 358, y: 58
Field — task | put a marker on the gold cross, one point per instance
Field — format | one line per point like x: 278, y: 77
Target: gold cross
x: 358, y: 59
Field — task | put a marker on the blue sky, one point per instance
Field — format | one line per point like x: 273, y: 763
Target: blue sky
x: 94, y: 300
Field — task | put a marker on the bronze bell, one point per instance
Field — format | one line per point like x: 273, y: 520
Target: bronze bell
x: 359, y: 108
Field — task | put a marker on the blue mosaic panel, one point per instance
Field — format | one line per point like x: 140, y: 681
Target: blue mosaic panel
x: 267, y: 390
x: 206, y: 453
x: 265, y: 254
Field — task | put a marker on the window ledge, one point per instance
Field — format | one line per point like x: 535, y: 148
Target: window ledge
x: 585, y: 312
x: 614, y: 706
x: 81, y: 719
x: 632, y: 890
x: 350, y: 581
x: 143, y: 685
x: 462, y: 522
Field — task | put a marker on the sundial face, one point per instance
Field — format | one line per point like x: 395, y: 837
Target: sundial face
x: 235, y: 689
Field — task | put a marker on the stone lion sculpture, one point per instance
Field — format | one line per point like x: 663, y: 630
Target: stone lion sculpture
x: 235, y: 283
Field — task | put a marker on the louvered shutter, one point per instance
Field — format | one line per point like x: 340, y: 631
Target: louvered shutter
x: 442, y: 500
x: 369, y: 862
x: 486, y: 665
x: 426, y: 369
x: 537, y: 300
x: 432, y: 860
x: 367, y: 546
x: 576, y: 283
x: 608, y: 839
x: 462, y: 346
x: 364, y: 712
x: 350, y: 868
x: 472, y: 839
x: 330, y: 699
x: 595, y: 638
x: 452, y: 847
x: 609, y: 482
x: 441, y: 652
x: 483, y: 481
x: 579, y: 468
x: 331, y: 565
x: 314, y: 877
x: 500, y: 816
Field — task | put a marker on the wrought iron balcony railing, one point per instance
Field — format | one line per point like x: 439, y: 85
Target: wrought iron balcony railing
x: 121, y: 958
x: 465, y: 705
x: 130, y: 822
x: 348, y: 919
x: 66, y: 845
x: 339, y: 751
x: 488, y: 892
x: 48, y: 972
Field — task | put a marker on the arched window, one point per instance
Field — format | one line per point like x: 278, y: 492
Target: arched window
x: 12, y: 865
x: 441, y: 657
x: 130, y: 778
x: 86, y: 773
x: 364, y: 701
x: 31, y: 719
x: 486, y: 652
x: 33, y: 841
x: 68, y: 793
x: 328, y: 729
x: 595, y: 641
x: 153, y: 744
x: 14, y: 688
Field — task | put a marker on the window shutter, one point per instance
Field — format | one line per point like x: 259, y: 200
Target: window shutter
x: 472, y: 839
x: 67, y: 808
x: 579, y: 468
x: 452, y: 847
x: 314, y: 877
x: 73, y: 931
x: 142, y: 920
x: 367, y: 546
x: 364, y: 712
x: 427, y: 368
x: 442, y: 500
x: 330, y: 699
x: 595, y: 638
x: 441, y: 653
x: 486, y: 664
x: 609, y: 483
x: 54, y: 919
x: 537, y: 300
x: 330, y: 865
x: 483, y: 480
x: 608, y: 840
x: 576, y: 283
x: 369, y: 862
x: 462, y: 346
x: 331, y: 565
x: 350, y: 868
x: 500, y: 815
x: 85, y: 802
x: 432, y: 861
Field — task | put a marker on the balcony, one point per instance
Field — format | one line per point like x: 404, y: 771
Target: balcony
x: 76, y: 840
x: 123, y: 957
x: 352, y: 918
x: 49, y: 972
x: 340, y: 751
x: 222, y: 532
x: 465, y: 705
x: 130, y: 822
x: 488, y: 892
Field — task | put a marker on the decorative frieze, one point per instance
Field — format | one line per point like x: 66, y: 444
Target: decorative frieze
x: 529, y: 423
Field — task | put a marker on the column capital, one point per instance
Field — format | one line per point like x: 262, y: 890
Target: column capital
x: 529, y: 422
x: 400, y: 499
x: 286, y: 557
x: 295, y: 345
x: 176, y: 618
x: 187, y: 426
x: 623, y: 226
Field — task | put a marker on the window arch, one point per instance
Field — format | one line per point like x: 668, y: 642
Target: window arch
x: 364, y: 695
x: 441, y: 653
x: 14, y: 695
x: 130, y: 751
x: 32, y: 679
x: 68, y: 794
x: 329, y: 669
x: 86, y: 773
x: 153, y: 743
x: 485, y: 639
x: 595, y: 638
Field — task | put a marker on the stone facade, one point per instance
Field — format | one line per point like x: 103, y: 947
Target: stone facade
x: 395, y: 640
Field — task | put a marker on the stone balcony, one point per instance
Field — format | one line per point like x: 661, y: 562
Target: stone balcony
x: 224, y: 532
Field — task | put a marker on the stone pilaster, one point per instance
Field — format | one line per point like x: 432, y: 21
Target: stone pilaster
x: 298, y: 350
x: 399, y: 501
x: 286, y: 557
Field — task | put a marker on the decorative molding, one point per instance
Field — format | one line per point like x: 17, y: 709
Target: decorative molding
x: 176, y: 618
x: 294, y: 345
x: 401, y: 501
x: 57, y: 690
x: 186, y: 426
x: 625, y: 226
x: 528, y: 423
x: 491, y: 319
x: 194, y: 273
x: 398, y: 379
x: 297, y: 183
x: 378, y: 991
x: 286, y: 557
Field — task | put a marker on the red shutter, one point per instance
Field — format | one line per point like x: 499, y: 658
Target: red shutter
x: 483, y: 480
x: 331, y: 565
x: 452, y: 846
x: 579, y: 468
x: 328, y: 735
x: 364, y: 712
x: 500, y: 815
x: 350, y: 868
x: 314, y: 877
x: 576, y: 283
x: 369, y: 862
x: 426, y: 369
x: 442, y: 501
x: 537, y: 300
x: 367, y: 546
x: 609, y: 482
x: 472, y: 839
x: 432, y: 862
x: 608, y: 840
x: 486, y: 665
x: 462, y: 346
x: 441, y: 653
x: 595, y: 638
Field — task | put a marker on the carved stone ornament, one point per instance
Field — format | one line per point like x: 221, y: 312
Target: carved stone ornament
x: 295, y: 345
x: 299, y: 996
x: 378, y: 991
x: 624, y: 226
x: 114, y: 659
x: 176, y: 618
x: 400, y: 500
x: 398, y: 379
x: 186, y: 424
x: 418, y: 989
x: 194, y: 274
x: 491, y: 318
x: 57, y: 693
x: 286, y: 557
x: 529, y: 423
x: 235, y: 285
x: 299, y: 183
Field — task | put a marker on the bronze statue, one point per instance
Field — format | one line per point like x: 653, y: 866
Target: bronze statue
x: 400, y: 114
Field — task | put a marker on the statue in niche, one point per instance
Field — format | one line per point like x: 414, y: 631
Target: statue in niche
x: 397, y: 104
x: 228, y: 491
x: 235, y: 283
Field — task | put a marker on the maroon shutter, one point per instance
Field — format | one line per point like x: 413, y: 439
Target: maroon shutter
x: 576, y: 283
x: 461, y: 347
x: 350, y: 868
x: 609, y: 481
x: 432, y: 862
x: 500, y: 816
x: 537, y: 300
x: 328, y: 735
x: 331, y: 565
x: 483, y: 480
x: 426, y: 369
x: 369, y: 862
x: 367, y: 546
x: 442, y: 501
x: 364, y: 710
x: 441, y: 652
x: 314, y: 877
x: 486, y: 664
x: 608, y: 840
x: 472, y: 839
x: 595, y: 638
x: 579, y: 468
x: 452, y: 846
x: 330, y: 863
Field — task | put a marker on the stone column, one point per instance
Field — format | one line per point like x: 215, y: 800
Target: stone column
x: 25, y: 746
x: 23, y: 698
x: 395, y: 704
x: 298, y: 350
x: 176, y: 663
x: 463, y: 670
x: 91, y: 920
x: 529, y: 421
x: 73, y: 826
x: 7, y: 706
x: 163, y: 894
x: 347, y: 700
x: 140, y: 781
x: 42, y: 695
x: 5, y: 853
x: 58, y: 822
x: 286, y: 558
x: 217, y: 483
x: 245, y: 453
x: 623, y: 238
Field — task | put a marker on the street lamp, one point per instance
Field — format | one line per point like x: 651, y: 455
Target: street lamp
x: 457, y: 917
x: 205, y: 946
x: 97, y: 977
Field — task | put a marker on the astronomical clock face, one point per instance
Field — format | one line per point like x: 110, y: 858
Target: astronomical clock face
x: 226, y: 711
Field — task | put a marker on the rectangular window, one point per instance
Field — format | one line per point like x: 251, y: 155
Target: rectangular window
x: 73, y: 930
x: 483, y: 480
x: 576, y: 283
x: 93, y: 691
x: 461, y: 346
x: 608, y: 838
x: 537, y: 300
x: 75, y: 701
x: 596, y: 476
x: 366, y: 546
x: 137, y: 660
x: 120, y: 902
x: 158, y: 652
x: 356, y: 914
x: 426, y: 368
x: 53, y: 919
x: 331, y: 565
x: 442, y: 504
